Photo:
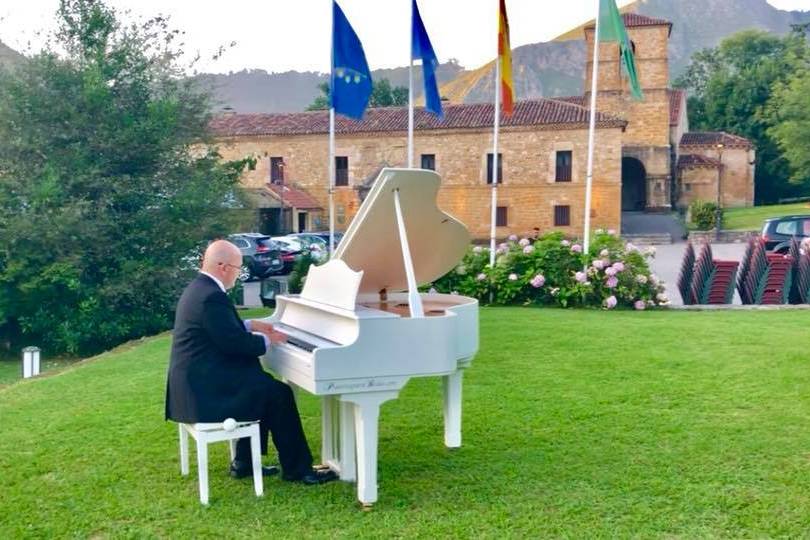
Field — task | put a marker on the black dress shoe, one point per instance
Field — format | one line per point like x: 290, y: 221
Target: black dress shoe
x: 313, y: 477
x: 243, y: 469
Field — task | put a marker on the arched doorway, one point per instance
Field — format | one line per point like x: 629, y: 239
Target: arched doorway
x: 634, y: 185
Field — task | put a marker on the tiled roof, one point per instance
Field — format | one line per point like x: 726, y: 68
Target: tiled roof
x: 292, y: 197
x: 634, y: 19
x: 540, y: 112
x: 713, y: 138
x: 693, y: 161
x: 574, y: 100
x: 675, y: 99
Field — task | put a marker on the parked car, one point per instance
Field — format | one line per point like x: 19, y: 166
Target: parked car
x: 778, y: 232
x: 291, y: 250
x: 323, y: 235
x: 317, y: 246
x: 261, y: 257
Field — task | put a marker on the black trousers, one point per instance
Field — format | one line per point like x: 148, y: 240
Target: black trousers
x: 277, y: 413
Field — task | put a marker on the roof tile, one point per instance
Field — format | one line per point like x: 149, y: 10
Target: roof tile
x: 292, y: 197
x: 539, y: 112
x: 713, y: 138
x: 693, y: 161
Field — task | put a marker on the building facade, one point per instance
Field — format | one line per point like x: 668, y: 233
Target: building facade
x: 542, y: 162
x: 645, y: 158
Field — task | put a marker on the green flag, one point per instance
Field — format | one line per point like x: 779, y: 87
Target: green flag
x: 611, y: 28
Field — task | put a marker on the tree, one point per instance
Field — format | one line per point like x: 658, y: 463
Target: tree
x: 321, y: 102
x: 107, y: 181
x: 731, y: 87
x: 382, y: 95
x: 790, y: 115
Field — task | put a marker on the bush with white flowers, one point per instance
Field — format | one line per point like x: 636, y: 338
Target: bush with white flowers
x: 554, y: 270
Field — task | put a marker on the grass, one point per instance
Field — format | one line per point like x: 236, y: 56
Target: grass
x: 752, y: 219
x: 11, y: 370
x: 581, y: 424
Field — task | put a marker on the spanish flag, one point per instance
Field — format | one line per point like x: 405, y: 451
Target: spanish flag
x: 505, y: 62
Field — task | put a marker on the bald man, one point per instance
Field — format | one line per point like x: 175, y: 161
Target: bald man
x: 214, y: 371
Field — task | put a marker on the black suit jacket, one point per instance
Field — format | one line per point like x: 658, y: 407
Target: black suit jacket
x: 214, y: 371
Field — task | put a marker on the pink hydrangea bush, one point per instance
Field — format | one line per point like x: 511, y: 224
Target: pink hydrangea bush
x: 555, y: 270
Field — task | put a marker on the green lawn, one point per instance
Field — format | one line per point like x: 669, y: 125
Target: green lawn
x: 577, y: 424
x: 11, y: 370
x: 751, y: 219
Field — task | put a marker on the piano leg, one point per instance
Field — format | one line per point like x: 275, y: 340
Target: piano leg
x: 348, y: 456
x: 452, y: 409
x: 329, y: 455
x: 366, y: 420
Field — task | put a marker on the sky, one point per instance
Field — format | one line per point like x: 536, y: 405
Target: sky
x: 282, y: 35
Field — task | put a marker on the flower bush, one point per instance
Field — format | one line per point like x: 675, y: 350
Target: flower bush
x: 554, y: 270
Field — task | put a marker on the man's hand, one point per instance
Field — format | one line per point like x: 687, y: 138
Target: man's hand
x: 260, y: 326
x: 276, y: 337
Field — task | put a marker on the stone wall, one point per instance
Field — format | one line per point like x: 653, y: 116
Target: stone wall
x: 529, y: 191
x: 736, y: 180
x: 647, y: 137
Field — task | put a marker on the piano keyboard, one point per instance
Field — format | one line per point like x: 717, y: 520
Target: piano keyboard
x: 301, y: 344
x: 301, y: 339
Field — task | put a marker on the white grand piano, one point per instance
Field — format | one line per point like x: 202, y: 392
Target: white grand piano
x: 360, y: 329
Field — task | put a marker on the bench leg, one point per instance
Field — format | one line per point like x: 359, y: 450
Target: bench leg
x: 183, y: 450
x: 256, y: 454
x: 232, y: 448
x: 202, y: 468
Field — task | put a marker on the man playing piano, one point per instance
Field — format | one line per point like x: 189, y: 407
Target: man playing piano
x: 214, y: 371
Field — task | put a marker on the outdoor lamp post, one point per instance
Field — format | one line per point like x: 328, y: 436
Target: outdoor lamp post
x: 718, y: 215
x: 30, y: 362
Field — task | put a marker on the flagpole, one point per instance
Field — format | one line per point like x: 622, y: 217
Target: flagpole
x: 591, y: 134
x: 494, y: 209
x: 331, y: 181
x: 331, y: 165
x: 410, y: 100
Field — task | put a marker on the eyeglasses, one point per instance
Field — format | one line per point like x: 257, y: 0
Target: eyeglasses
x: 237, y: 267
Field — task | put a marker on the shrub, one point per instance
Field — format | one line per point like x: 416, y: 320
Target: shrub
x: 703, y: 214
x: 299, y: 272
x: 554, y: 271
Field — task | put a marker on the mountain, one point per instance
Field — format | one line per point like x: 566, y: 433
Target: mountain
x: 8, y: 56
x: 540, y: 69
x: 256, y: 90
x: 557, y: 68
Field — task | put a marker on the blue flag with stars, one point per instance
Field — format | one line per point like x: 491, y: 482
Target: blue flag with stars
x: 421, y: 48
x: 350, y: 86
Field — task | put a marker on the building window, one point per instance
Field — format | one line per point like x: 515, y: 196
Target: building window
x: 562, y: 216
x: 500, y: 168
x: 501, y: 216
x: 429, y: 162
x: 276, y: 170
x: 341, y: 171
x: 687, y: 187
x: 563, y: 169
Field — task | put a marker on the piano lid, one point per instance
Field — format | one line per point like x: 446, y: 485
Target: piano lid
x: 437, y: 240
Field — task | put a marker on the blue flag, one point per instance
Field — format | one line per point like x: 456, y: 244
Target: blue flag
x: 421, y: 48
x: 350, y: 86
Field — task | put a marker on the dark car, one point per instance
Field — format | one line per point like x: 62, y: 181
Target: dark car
x: 291, y: 250
x: 778, y: 232
x: 261, y: 257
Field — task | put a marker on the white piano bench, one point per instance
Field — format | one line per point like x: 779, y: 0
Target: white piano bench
x: 229, y: 430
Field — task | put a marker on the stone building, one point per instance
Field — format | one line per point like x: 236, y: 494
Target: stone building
x: 664, y: 166
x: 645, y: 158
x: 542, y: 147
